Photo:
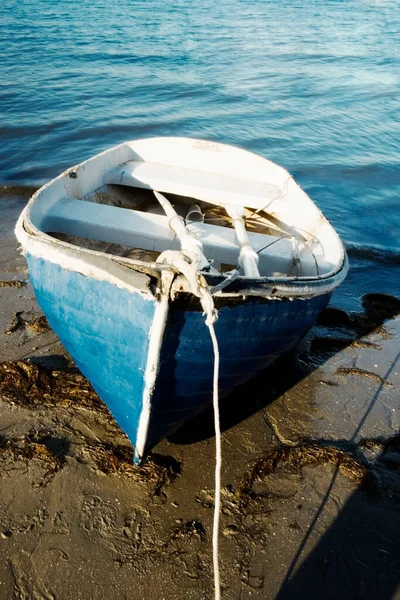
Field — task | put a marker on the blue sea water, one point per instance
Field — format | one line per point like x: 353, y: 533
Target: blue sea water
x: 314, y: 86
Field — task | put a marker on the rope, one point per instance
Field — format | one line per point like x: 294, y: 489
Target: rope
x: 230, y: 277
x: 211, y: 313
x: 218, y: 465
x: 188, y: 264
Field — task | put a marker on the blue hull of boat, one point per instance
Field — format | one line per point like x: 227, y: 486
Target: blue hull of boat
x: 251, y: 336
x: 106, y: 331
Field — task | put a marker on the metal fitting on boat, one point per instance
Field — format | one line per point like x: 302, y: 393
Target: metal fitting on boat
x: 194, y: 215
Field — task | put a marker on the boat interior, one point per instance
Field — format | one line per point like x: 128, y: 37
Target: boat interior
x: 124, y: 217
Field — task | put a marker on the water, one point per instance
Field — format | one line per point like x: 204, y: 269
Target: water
x: 313, y: 86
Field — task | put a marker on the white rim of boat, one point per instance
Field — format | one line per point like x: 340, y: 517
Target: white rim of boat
x: 118, y: 270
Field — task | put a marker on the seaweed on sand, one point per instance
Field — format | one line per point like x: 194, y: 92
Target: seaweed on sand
x: 30, y: 386
x: 30, y: 447
x: 12, y: 283
x: 158, y: 470
x: 363, y: 373
x: 188, y: 529
x: 184, y: 544
x: 26, y: 384
x: 324, y: 344
x: 291, y: 459
x: 38, y: 325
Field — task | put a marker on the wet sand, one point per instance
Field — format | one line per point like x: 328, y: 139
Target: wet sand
x: 311, y: 471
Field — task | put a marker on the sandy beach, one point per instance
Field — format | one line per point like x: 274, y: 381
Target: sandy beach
x: 311, y: 480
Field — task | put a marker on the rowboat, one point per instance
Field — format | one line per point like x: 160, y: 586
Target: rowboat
x: 128, y: 249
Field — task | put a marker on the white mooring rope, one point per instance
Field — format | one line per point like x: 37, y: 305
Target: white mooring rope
x: 207, y: 303
x: 218, y: 464
x: 188, y: 264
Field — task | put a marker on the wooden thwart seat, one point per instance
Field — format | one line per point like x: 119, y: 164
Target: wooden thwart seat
x: 201, y: 185
x: 150, y: 231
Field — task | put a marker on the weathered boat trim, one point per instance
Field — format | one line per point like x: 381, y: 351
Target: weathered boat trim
x: 274, y: 288
x: 87, y: 262
x: 153, y: 362
x: 111, y: 268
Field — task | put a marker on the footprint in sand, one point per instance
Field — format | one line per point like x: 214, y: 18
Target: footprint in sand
x: 27, y: 583
x: 122, y: 535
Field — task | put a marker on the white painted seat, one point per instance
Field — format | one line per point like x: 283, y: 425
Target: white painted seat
x: 150, y: 231
x: 209, y: 187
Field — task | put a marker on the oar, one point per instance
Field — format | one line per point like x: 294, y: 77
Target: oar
x: 248, y: 258
x: 188, y: 241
